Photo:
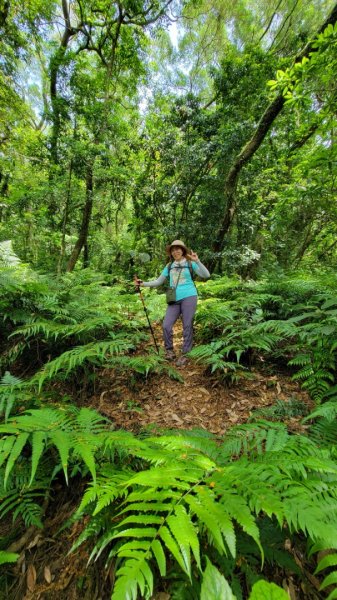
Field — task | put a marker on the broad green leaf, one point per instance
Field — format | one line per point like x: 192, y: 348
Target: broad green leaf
x: 263, y: 590
x: 214, y: 586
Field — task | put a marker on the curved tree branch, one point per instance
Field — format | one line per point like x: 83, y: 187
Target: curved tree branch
x: 262, y: 128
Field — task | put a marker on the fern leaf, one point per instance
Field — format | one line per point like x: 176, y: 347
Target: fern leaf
x: 6, y: 445
x: 15, y: 453
x: 62, y: 441
x: 83, y: 449
x: 159, y: 554
x: 147, y: 506
x: 208, y: 520
x: 329, y: 580
x: 147, y: 495
x: 327, y: 410
x: 172, y: 476
x: 172, y: 546
x: 330, y: 560
x: 142, y: 519
x: 30, y: 512
x: 38, y: 443
x: 187, y: 531
x: 133, y: 574
x: 178, y: 527
x: 238, y: 508
x: 137, y: 532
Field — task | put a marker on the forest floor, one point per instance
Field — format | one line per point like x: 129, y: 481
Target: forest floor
x: 199, y: 400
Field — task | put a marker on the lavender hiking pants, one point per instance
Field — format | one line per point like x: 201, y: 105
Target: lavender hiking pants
x: 186, y: 308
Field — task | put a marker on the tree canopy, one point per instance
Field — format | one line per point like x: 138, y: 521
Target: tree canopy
x: 126, y: 124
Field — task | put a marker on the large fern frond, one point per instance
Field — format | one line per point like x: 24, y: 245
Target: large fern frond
x: 77, y: 432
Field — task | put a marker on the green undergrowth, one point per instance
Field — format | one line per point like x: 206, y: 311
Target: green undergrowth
x: 167, y: 512
x: 186, y: 513
x: 292, y: 322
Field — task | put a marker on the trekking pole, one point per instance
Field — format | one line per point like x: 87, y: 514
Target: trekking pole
x: 145, y: 310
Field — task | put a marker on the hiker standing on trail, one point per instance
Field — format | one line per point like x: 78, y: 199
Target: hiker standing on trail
x: 181, y: 296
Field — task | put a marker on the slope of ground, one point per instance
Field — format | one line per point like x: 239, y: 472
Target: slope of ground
x: 200, y: 400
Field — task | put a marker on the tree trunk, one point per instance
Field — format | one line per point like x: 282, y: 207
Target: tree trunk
x: 249, y: 150
x: 65, y: 219
x: 55, y: 64
x: 87, y: 210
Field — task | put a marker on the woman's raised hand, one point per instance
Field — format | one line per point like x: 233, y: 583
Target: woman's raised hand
x: 194, y: 256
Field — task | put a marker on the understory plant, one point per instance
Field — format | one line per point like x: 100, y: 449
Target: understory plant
x: 293, y: 322
x: 187, y: 513
x: 163, y: 510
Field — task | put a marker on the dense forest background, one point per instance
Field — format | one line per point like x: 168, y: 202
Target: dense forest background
x: 123, y: 126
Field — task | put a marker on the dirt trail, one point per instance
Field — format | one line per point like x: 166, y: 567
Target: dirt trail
x: 200, y: 401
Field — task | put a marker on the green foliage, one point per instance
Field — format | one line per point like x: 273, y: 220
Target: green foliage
x: 214, y: 355
x: 214, y: 585
x: 241, y: 323
x: 263, y: 590
x: 8, y: 557
x: 282, y: 409
x: 200, y: 511
x: 205, y: 514
x: 75, y: 433
x: 193, y: 494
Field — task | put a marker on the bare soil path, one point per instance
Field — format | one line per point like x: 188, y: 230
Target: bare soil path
x: 201, y: 400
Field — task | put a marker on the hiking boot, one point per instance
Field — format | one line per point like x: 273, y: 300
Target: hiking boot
x: 170, y: 355
x: 182, y: 361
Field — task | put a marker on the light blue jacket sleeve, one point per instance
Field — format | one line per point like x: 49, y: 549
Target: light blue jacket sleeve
x: 157, y: 282
x: 201, y: 270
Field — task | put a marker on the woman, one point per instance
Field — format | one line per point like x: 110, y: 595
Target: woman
x: 179, y: 273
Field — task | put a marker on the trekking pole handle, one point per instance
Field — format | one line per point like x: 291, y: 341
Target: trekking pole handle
x: 137, y: 282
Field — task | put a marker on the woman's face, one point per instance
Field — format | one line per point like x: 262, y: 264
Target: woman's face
x: 177, y: 252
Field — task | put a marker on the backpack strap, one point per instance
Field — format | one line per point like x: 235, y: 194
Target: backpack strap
x: 189, y: 262
x: 191, y: 269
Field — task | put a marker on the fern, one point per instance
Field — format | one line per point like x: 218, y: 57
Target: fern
x: 191, y: 497
x: 214, y: 355
x: 52, y: 330
x: 282, y: 409
x: 330, y: 560
x: 77, y: 432
x: 95, y: 353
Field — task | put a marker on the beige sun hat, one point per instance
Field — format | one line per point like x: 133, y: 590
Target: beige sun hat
x: 176, y: 243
